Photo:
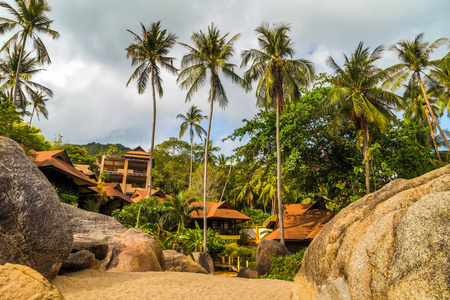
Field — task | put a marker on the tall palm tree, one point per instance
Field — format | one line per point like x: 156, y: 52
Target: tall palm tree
x: 442, y: 74
x: 38, y: 102
x: 210, y: 54
x: 192, y: 119
x: 356, y: 96
x: 415, y: 108
x: 179, y: 210
x: 200, y: 152
x: 30, y: 16
x: 20, y: 82
x: 149, y: 52
x: 222, y: 162
x: 415, y: 59
x: 279, y: 80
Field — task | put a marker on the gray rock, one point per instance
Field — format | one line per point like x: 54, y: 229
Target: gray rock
x: 34, y: 229
x: 176, y: 262
x: 247, y: 273
x: 205, y: 260
x: 78, y: 261
x: 266, y: 249
x: 391, y: 244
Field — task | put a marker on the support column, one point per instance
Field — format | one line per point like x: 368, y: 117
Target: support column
x: 124, y: 179
x: 102, y: 164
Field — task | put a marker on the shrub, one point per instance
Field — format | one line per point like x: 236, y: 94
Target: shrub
x: 69, y: 199
x: 285, y: 268
x: 258, y: 217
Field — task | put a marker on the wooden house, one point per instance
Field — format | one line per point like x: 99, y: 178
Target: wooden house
x: 141, y: 194
x: 116, y: 199
x: 302, y: 222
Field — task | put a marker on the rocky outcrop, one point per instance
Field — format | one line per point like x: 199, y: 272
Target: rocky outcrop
x: 78, y: 261
x: 176, y: 262
x: 205, y: 261
x: 247, y: 273
x: 22, y: 282
x: 34, y: 229
x: 391, y: 244
x: 136, y: 251
x: 266, y: 249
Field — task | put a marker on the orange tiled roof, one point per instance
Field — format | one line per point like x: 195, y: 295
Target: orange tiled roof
x: 218, y: 210
x: 59, y: 160
x: 302, y: 222
x: 141, y: 194
x: 85, y: 169
x: 113, y: 189
x: 138, y: 152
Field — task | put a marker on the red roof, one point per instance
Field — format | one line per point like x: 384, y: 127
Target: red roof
x: 218, y: 210
x: 140, y: 194
x: 113, y: 189
x: 301, y: 221
x: 59, y: 160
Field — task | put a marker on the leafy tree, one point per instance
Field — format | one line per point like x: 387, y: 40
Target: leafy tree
x: 210, y: 52
x: 214, y: 184
x: 30, y: 16
x: 192, y: 119
x: 415, y: 59
x: 8, y: 116
x: 357, y: 96
x: 80, y: 155
x: 257, y: 215
x: 147, y: 211
x: 179, y: 211
x: 200, y: 152
x: 279, y: 80
x: 149, y: 53
x: 97, y: 149
x: 29, y: 137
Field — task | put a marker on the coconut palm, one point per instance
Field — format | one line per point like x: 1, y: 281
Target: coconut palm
x: 210, y: 54
x: 415, y: 59
x: 279, y: 80
x: 356, y: 96
x: 200, y: 152
x: 149, y: 52
x: 442, y: 75
x: 192, y: 120
x: 415, y: 108
x: 22, y: 83
x: 179, y: 210
x: 38, y: 102
x: 30, y: 16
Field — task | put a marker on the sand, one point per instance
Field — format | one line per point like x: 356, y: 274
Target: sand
x: 94, y: 284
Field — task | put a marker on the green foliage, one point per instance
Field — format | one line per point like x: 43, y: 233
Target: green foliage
x: 147, y: 211
x: 233, y: 250
x: 8, y: 116
x: 92, y: 205
x: 69, y: 199
x: 285, y: 268
x: 80, y: 155
x: 97, y: 149
x: 258, y: 217
x: 29, y: 137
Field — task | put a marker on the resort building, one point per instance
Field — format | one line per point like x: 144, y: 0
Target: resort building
x: 221, y: 217
x: 116, y: 199
x: 302, y: 222
x: 130, y: 171
x: 141, y: 194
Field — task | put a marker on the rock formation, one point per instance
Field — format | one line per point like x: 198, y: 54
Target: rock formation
x: 247, y: 273
x: 205, y: 261
x: 391, y: 244
x: 177, y: 262
x: 22, y: 282
x: 79, y: 261
x: 266, y: 249
x: 34, y: 230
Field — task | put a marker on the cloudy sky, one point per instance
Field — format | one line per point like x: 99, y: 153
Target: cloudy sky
x: 89, y: 69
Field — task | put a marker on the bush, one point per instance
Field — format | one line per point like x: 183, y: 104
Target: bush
x: 258, y: 217
x: 285, y: 268
x: 69, y: 199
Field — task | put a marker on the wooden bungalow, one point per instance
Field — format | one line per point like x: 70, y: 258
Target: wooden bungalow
x: 141, y: 194
x: 62, y: 174
x: 86, y: 170
x: 220, y: 216
x: 302, y: 222
x: 116, y: 198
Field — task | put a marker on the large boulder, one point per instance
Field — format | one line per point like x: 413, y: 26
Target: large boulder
x: 78, y: 261
x: 391, y: 244
x: 247, y: 273
x: 205, y: 261
x: 177, y: 262
x: 136, y: 251
x: 22, y: 282
x: 267, y: 249
x: 34, y: 229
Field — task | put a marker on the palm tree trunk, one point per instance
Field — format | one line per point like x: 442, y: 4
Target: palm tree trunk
x: 205, y: 173
x: 432, y: 134
x: 366, y: 156
x: 226, y: 182
x: 431, y: 111
x: 192, y: 153
x: 280, y: 203
x: 32, y: 113
x: 152, y: 145
x: 19, y: 63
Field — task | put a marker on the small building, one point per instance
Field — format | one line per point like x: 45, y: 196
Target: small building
x: 220, y: 216
x: 62, y: 174
x: 131, y: 170
x: 116, y: 199
x: 141, y: 194
x: 302, y: 222
x: 86, y: 170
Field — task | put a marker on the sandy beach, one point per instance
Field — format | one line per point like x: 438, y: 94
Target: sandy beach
x: 93, y: 284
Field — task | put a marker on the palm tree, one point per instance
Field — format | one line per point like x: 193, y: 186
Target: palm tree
x: 38, y: 101
x: 192, y: 119
x: 148, y: 53
x: 415, y: 108
x: 222, y: 161
x: 22, y: 83
x: 415, y: 59
x: 442, y: 74
x: 30, y: 16
x: 356, y: 96
x: 179, y: 210
x: 200, y: 152
x: 210, y: 53
x: 279, y: 80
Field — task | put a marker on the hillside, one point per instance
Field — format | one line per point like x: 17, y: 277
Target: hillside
x: 96, y: 149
